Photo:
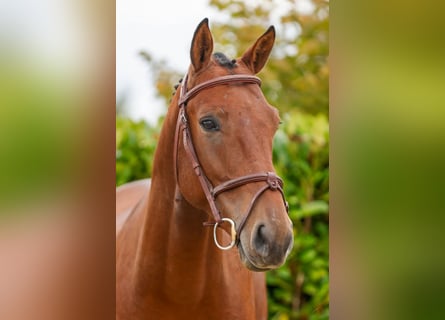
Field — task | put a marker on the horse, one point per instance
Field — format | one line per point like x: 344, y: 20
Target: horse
x: 213, y: 179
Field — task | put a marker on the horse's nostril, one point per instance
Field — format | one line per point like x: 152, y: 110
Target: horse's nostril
x: 260, y: 241
x: 271, y: 246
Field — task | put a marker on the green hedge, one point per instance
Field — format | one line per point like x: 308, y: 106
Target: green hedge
x: 135, y: 145
x: 299, y: 289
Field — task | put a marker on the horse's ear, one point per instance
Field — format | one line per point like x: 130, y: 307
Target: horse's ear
x: 256, y: 56
x: 202, y: 46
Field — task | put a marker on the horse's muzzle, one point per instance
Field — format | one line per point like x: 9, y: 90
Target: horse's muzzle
x: 263, y: 251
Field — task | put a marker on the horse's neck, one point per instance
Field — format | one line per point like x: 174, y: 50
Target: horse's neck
x: 173, y: 247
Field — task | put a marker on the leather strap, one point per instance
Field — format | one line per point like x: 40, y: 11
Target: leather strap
x: 205, y: 183
x: 240, y: 78
x: 271, y: 178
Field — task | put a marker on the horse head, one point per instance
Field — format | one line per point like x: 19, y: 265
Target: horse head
x: 230, y: 128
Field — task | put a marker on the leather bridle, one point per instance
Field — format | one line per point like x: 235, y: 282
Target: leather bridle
x: 272, y: 181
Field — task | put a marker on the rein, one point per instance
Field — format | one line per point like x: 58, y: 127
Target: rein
x: 273, y: 182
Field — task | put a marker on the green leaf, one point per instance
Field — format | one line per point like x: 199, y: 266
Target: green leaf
x: 313, y: 208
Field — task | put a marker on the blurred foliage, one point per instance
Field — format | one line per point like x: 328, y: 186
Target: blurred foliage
x: 295, y: 80
x: 297, y: 73
x: 300, y: 289
x: 37, y: 136
x: 135, y: 145
x: 166, y: 77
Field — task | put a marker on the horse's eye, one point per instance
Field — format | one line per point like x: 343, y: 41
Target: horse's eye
x: 209, y: 124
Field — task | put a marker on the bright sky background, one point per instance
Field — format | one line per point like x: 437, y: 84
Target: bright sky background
x: 163, y: 28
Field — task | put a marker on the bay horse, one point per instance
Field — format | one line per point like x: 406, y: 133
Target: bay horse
x: 213, y: 181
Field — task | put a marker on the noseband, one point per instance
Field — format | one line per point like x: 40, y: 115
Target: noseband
x: 272, y: 181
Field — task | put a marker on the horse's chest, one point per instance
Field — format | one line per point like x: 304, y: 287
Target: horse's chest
x: 205, y: 310
x: 237, y: 299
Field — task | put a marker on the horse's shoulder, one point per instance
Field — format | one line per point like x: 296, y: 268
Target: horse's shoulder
x: 127, y: 198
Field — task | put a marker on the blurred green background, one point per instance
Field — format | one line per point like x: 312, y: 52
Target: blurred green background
x: 295, y: 80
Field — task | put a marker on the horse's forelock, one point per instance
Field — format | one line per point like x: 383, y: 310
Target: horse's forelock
x: 224, y: 61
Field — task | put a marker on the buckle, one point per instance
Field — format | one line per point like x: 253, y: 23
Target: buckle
x: 272, y: 181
